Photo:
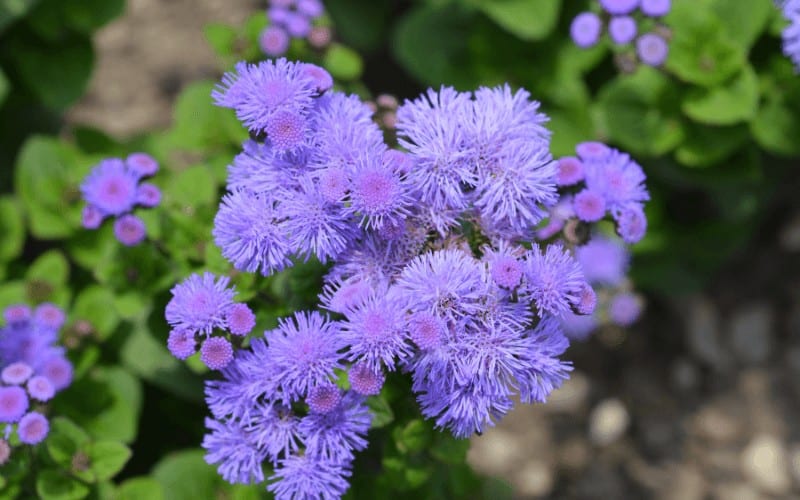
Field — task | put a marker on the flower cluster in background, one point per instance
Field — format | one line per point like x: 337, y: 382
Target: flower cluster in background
x: 32, y: 370
x: 430, y: 270
x: 630, y: 24
x: 791, y: 34
x: 114, y: 188
x: 605, y: 262
x: 201, y: 312
x: 293, y: 19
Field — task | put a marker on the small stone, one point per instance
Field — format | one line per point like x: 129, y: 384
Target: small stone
x: 751, y: 330
x: 608, y: 422
x: 795, y: 459
x: 494, y: 452
x: 685, y: 483
x: 765, y: 463
x: 715, y: 424
x: 702, y: 325
x: 790, y: 235
x: 574, y: 454
x: 535, y: 479
x: 736, y: 491
x: 685, y: 376
x: 571, y: 397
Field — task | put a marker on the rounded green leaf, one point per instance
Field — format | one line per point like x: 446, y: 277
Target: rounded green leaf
x: 140, y: 488
x: 525, y: 19
x: 51, y: 267
x: 106, y: 458
x: 706, y: 146
x: 701, y: 51
x: 343, y: 63
x: 640, y: 112
x: 12, y: 228
x: 95, y: 304
x: 64, y: 440
x: 735, y: 101
x: 186, y: 476
x: 744, y: 24
x: 53, y: 485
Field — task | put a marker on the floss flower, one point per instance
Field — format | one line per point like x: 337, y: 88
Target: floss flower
x: 429, y: 271
x: 292, y: 19
x: 113, y: 189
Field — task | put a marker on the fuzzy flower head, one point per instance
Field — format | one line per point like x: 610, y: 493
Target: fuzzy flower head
x: 299, y: 477
x: 16, y: 373
x: 375, y: 333
x: 553, y: 279
x: 337, y: 433
x: 230, y: 448
x: 624, y: 309
x: 199, y: 303
x: 619, y: 7
x: 652, y: 49
x: 570, y: 171
x: 304, y: 352
x: 33, y: 428
x: 129, y: 230
x: 257, y: 92
x: 274, y: 41
x: 240, y: 319
x: 216, y: 352
x: 142, y: 164
x: 585, y: 29
x: 110, y: 187
x: 427, y: 331
x: 791, y: 33
x: 324, y: 398
x: 378, y: 194
x: 604, y: 260
x: 13, y: 403
x: 181, y: 343
x: 364, y: 380
x: 655, y: 8
x: 622, y: 29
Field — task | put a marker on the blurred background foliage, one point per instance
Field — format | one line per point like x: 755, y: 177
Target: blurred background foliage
x: 716, y: 131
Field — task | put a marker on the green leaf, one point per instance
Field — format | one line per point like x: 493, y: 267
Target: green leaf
x: 95, y: 304
x: 87, y: 16
x: 4, y: 85
x: 222, y: 38
x: 640, y: 112
x: 382, y: 414
x: 187, y: 476
x: 51, y: 267
x: 343, y: 63
x: 201, y: 126
x: 361, y: 24
x: 701, y: 51
x: 106, y: 458
x: 12, y: 228
x: 526, y: 19
x: 414, y: 437
x: 149, y: 359
x: 777, y: 126
x: 744, y: 25
x: 64, y: 440
x: 57, y: 74
x: 42, y: 180
x: 706, y: 146
x: 429, y: 43
x: 140, y: 488
x: 191, y: 187
x: 735, y: 102
x: 11, y: 10
x: 52, y: 485
x: 569, y: 128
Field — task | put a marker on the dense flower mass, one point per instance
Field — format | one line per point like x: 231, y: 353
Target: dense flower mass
x: 625, y: 22
x: 32, y: 369
x: 113, y: 189
x: 791, y: 34
x: 293, y: 19
x: 202, y: 311
x: 434, y: 268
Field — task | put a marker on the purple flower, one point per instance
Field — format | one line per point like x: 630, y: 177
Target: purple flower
x: 336, y: 434
x: 216, y: 352
x: 364, y: 380
x: 315, y: 225
x: 181, y: 343
x: 585, y: 29
x: 631, y: 223
x: 378, y: 194
x: 142, y: 164
x: 324, y: 398
x: 286, y: 130
x: 17, y: 314
x: 618, y: 178
x: 110, y: 187
x: 148, y: 195
x: 578, y: 326
x: 592, y: 151
x: 303, y: 352
x: 652, y: 49
x: 247, y: 230
x: 129, y: 230
x: 13, y: 403
x: 274, y: 40
x: 240, y: 319
x: 273, y: 428
x: 58, y: 370
x: 33, y: 428
x: 604, y: 261
x: 791, y: 33
x: 199, y: 303
x: 16, y: 373
x: 618, y: 7
x: 49, y: 316
x: 553, y: 279
x: 320, y: 76
x: 570, y: 171
x: 40, y: 388
x: 374, y: 333
x: 655, y: 8
x: 229, y: 447
x: 258, y: 91
x: 587, y: 300
x: 91, y: 217
x: 297, y: 25
x: 624, y: 309
x: 309, y: 477
x: 342, y: 296
x: 590, y: 206
x: 310, y: 8
x: 622, y: 29
x: 427, y: 331
x: 505, y: 267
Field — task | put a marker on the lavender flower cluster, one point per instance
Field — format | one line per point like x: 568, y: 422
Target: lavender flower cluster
x: 430, y: 272
x: 293, y: 19
x: 32, y: 370
x: 605, y: 261
x: 202, y: 312
x: 113, y: 189
x: 623, y: 26
x: 791, y: 34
